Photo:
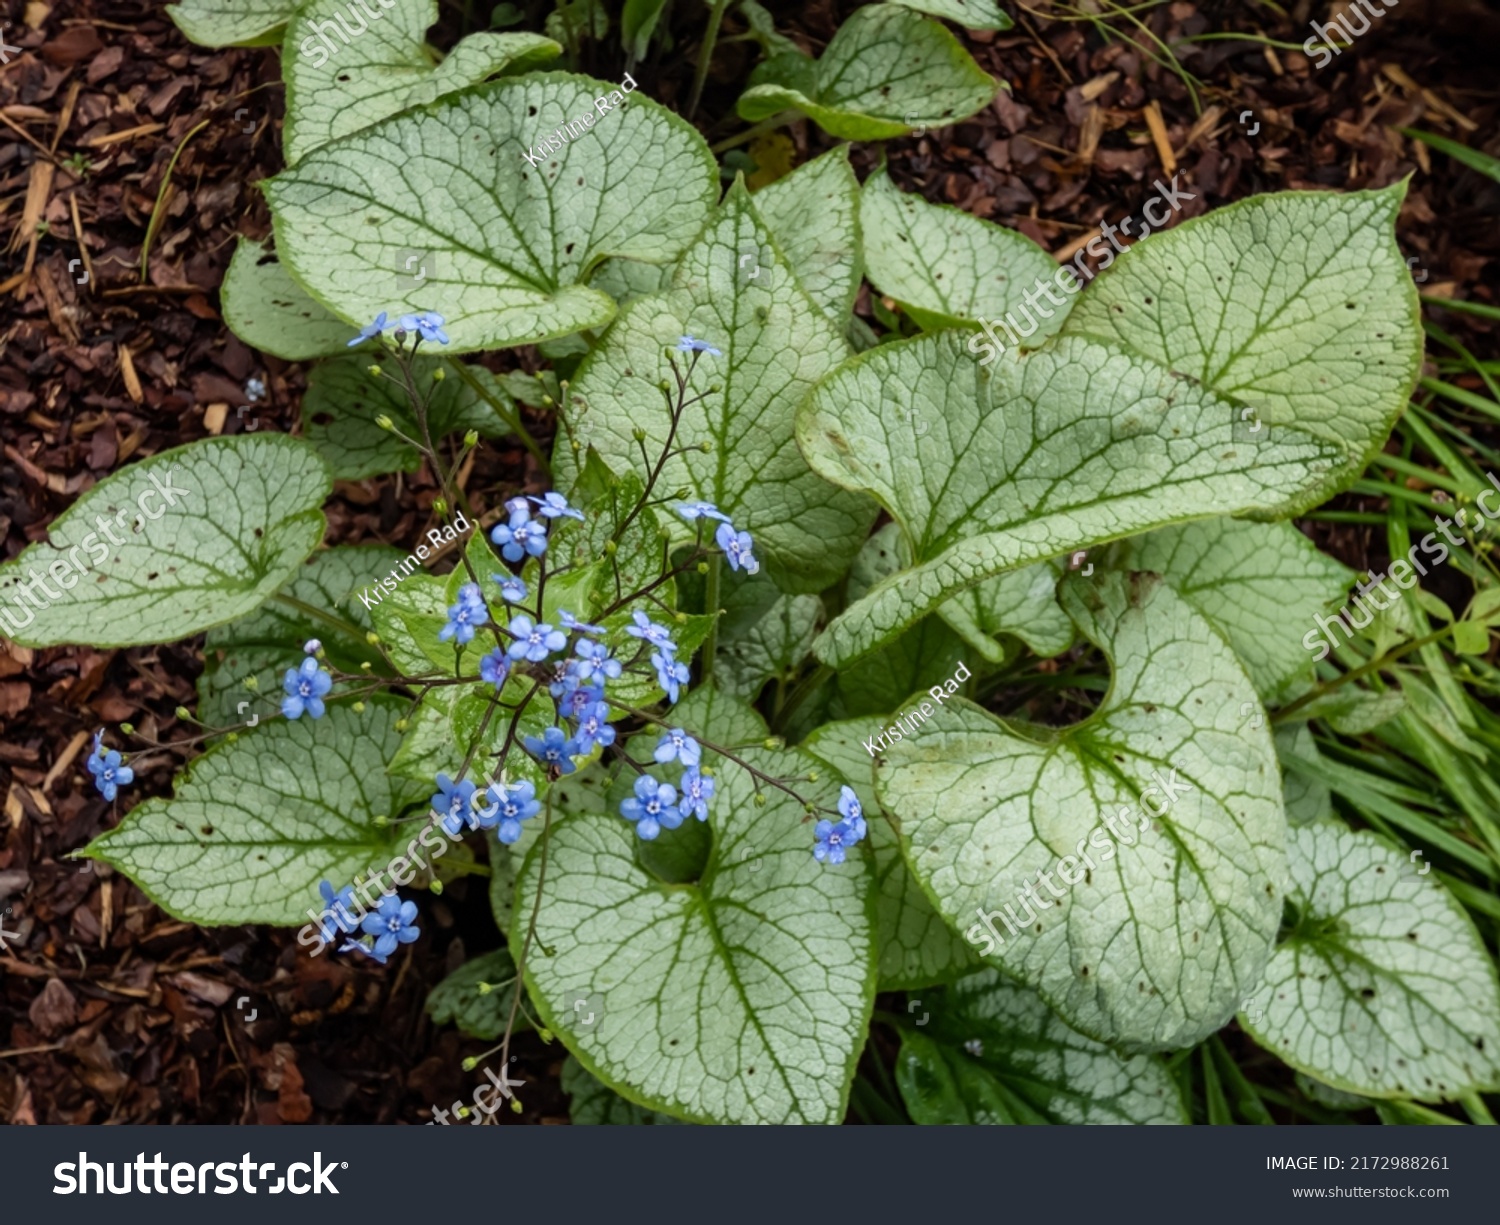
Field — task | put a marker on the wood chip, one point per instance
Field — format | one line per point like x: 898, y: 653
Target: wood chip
x: 1204, y: 126
x: 1077, y: 245
x: 1090, y: 90
x: 132, y: 380
x: 64, y: 760
x: 114, y: 138
x: 1442, y: 108
x: 213, y: 418
x: 1159, y: 137
x: 1088, y: 136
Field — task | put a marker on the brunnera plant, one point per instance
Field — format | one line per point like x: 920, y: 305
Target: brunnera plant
x: 658, y: 697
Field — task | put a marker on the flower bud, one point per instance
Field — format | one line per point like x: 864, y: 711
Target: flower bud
x: 515, y: 1105
x: 365, y: 667
x: 470, y: 1064
x: 547, y: 401
x: 610, y: 548
x: 702, y: 567
x: 774, y: 742
x: 440, y: 506
x: 183, y: 713
x: 439, y: 375
x: 402, y: 725
x: 683, y: 493
x: 463, y: 1112
x: 544, y: 1034
x: 374, y: 372
x: 359, y: 708
x: 435, y: 885
x: 760, y: 799
x: 638, y: 434
x: 127, y: 729
x: 231, y: 737
x: 381, y: 821
x: 252, y: 683
x: 471, y: 439
x: 372, y: 638
x: 813, y: 776
x: 385, y: 422
x: 485, y: 988
x: 706, y: 447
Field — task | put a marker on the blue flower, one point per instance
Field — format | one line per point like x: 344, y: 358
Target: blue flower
x: 688, y: 345
x: 305, y: 687
x: 523, y: 535
x: 428, y: 325
x: 653, y: 807
x: 594, y: 728
x: 702, y: 510
x: 312, y: 646
x: 853, y: 813
x: 670, y: 674
x: 109, y: 774
x: 371, y: 330
x: 677, y: 745
x: 513, y: 804
x: 553, y: 505
x: 532, y: 641
x: 570, y: 622
x: 582, y: 700
x: 697, y: 790
x: 594, y: 659
x: 494, y: 668
x: 737, y: 546
x: 466, y: 616
x: 454, y: 802
x: 512, y: 589
x: 656, y: 635
x: 359, y: 946
x: 394, y: 922
x: 553, y: 748
x: 831, y: 841
x: 340, y: 912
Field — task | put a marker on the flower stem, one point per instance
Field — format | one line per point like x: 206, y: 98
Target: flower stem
x: 711, y: 607
x: 706, y: 55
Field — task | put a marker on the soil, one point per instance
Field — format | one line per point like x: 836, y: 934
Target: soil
x: 123, y: 146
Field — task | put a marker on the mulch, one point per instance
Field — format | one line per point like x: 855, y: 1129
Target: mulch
x: 111, y: 1010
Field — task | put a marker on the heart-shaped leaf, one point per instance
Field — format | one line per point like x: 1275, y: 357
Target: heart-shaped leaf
x: 776, y: 344
x: 1063, y: 448
x: 381, y: 67
x: 1161, y: 814
x: 256, y: 824
x: 1382, y: 987
x: 946, y: 266
x: 886, y: 71
x: 813, y: 214
x: 269, y: 311
x: 1298, y: 304
x: 510, y: 242
x: 173, y: 545
x: 739, y: 997
x: 1259, y: 584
